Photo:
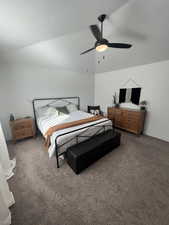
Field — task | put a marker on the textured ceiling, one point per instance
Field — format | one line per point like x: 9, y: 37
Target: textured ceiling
x: 53, y: 32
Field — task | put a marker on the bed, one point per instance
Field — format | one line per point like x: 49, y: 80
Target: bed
x: 61, y: 139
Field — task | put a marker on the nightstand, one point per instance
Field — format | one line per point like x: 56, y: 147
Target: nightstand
x: 22, y: 128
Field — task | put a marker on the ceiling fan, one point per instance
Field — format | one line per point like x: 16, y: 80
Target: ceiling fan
x: 101, y: 43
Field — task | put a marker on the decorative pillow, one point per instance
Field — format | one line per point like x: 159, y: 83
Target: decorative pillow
x: 45, y: 111
x: 50, y: 111
x: 62, y: 110
x: 72, y: 108
x: 94, y: 110
x: 41, y: 110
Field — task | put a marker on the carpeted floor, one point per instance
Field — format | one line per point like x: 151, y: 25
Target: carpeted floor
x: 129, y: 186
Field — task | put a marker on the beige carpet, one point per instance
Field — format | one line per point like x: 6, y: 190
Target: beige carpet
x: 129, y: 186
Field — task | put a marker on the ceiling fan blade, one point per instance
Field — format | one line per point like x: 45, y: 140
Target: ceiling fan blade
x: 87, y: 51
x: 118, y: 45
x: 95, y: 31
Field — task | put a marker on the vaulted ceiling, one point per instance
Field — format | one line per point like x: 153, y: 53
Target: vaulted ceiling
x: 144, y: 23
x: 54, y: 32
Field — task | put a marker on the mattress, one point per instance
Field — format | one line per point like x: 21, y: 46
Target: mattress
x: 45, y: 122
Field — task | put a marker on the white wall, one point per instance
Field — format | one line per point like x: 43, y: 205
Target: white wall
x: 154, y: 80
x: 19, y: 84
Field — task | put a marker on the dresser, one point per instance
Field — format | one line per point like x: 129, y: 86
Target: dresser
x: 127, y: 119
x: 22, y: 128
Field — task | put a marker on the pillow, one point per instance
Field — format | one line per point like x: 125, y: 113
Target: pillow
x: 40, y: 111
x: 72, y: 108
x: 97, y: 112
x: 45, y: 111
x: 50, y: 111
x: 94, y: 110
x: 62, y: 110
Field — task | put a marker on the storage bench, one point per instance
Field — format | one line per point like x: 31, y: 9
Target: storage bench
x: 82, y: 155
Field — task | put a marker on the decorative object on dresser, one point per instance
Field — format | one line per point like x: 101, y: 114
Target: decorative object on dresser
x: 130, y: 95
x: 115, y: 100
x: 143, y: 105
x: 12, y: 117
x: 127, y: 119
x: 94, y: 110
x: 22, y: 128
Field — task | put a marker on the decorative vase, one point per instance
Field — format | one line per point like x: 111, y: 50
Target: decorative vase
x: 12, y: 117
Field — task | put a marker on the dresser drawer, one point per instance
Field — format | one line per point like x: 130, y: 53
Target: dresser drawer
x: 134, y: 115
x: 111, y: 114
x: 134, y: 127
x: 133, y: 120
x: 110, y: 111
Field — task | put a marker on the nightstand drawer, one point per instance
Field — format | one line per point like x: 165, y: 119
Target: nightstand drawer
x: 27, y: 124
x: 22, y: 133
x: 18, y: 134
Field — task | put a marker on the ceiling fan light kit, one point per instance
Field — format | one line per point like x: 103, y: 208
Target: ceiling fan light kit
x: 101, y: 48
x: 101, y: 43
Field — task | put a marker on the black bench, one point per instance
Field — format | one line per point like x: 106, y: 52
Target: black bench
x: 82, y: 155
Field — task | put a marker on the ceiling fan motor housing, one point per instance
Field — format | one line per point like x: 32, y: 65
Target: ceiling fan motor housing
x: 101, y: 42
x: 102, y: 17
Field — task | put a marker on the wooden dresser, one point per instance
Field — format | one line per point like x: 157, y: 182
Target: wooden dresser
x: 127, y: 119
x: 22, y: 128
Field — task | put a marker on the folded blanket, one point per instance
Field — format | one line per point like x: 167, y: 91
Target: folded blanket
x: 62, y: 126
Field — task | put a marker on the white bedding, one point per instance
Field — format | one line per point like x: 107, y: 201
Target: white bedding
x: 45, y: 122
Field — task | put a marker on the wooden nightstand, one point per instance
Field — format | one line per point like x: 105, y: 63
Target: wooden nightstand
x: 22, y: 128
